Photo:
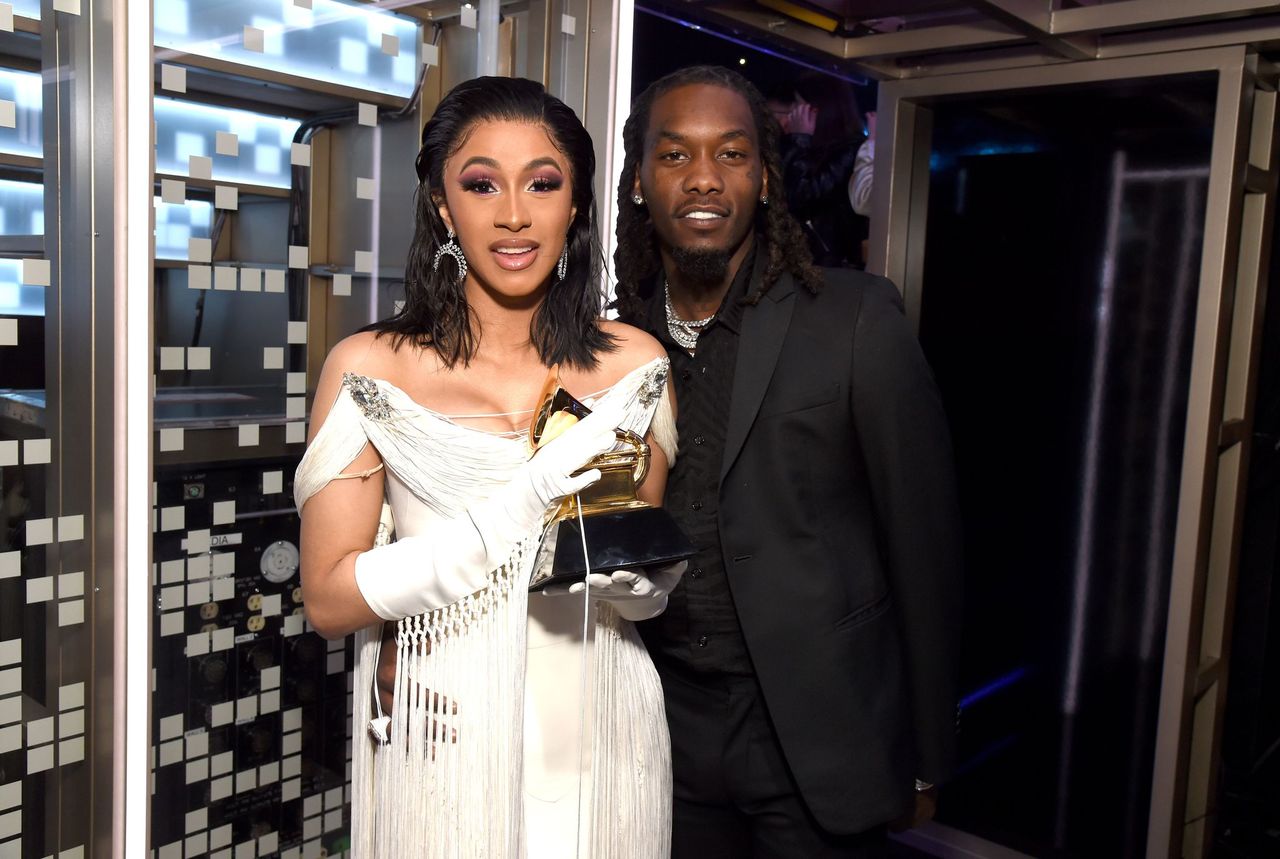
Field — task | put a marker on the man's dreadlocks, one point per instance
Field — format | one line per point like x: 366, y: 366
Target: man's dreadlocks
x: 636, y: 258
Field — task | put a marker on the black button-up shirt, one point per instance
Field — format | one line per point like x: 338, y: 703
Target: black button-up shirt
x: 699, y: 630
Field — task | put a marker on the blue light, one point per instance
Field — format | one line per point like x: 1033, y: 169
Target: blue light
x: 939, y: 161
x: 176, y: 224
x: 186, y: 128
x: 27, y: 135
x: 21, y: 208
x: 993, y: 687
x: 312, y: 44
x: 996, y: 748
x: 16, y: 299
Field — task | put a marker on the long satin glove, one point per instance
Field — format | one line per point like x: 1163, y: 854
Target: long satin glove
x: 453, y: 558
x: 634, y: 594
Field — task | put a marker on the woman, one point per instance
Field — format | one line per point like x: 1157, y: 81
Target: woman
x: 518, y: 725
x: 823, y: 131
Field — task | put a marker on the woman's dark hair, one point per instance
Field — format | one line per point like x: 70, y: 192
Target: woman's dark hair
x: 435, y: 314
x: 636, y: 258
x: 840, y: 121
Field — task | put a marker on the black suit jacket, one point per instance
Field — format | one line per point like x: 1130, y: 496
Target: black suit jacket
x: 841, y: 539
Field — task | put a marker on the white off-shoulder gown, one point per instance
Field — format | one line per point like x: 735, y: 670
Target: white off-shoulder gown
x: 553, y: 743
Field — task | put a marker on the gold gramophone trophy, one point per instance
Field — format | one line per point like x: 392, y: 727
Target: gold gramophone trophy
x: 622, y: 532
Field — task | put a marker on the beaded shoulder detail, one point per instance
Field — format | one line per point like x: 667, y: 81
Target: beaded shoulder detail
x: 364, y: 391
x: 654, y: 382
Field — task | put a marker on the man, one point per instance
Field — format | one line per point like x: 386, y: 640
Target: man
x: 808, y: 659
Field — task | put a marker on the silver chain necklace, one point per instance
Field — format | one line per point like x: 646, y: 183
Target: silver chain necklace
x: 684, y: 331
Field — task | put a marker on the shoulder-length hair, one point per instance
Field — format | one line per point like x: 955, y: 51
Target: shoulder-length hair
x: 435, y: 315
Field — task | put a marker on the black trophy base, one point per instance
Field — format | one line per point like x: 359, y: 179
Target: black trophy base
x: 626, y: 540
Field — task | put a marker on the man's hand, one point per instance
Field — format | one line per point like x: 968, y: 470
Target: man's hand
x: 926, y: 807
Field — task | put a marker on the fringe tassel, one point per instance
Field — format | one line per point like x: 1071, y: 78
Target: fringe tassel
x: 630, y: 754
x: 449, y: 785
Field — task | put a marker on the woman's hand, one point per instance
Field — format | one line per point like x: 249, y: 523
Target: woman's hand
x: 802, y: 119
x: 634, y: 594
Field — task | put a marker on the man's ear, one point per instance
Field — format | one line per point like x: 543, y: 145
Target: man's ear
x: 635, y: 186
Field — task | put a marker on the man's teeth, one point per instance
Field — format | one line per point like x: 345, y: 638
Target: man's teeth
x: 703, y: 216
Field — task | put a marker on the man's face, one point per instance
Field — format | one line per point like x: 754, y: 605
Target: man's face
x: 701, y: 174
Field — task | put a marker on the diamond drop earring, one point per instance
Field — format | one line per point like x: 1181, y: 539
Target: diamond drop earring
x: 454, y: 250
x: 562, y: 267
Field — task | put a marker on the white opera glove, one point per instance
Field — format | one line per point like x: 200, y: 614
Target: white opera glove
x: 547, y: 477
x: 453, y: 558
x: 635, y: 594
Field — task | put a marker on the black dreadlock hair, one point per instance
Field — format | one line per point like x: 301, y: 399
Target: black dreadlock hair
x: 636, y: 258
x: 565, y: 329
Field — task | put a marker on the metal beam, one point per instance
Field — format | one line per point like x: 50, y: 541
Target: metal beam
x: 1020, y: 57
x: 777, y: 27
x: 903, y: 43
x: 1131, y: 14
x: 1033, y: 18
x: 1259, y: 31
x: 945, y: 37
x: 1243, y: 31
x: 271, y: 76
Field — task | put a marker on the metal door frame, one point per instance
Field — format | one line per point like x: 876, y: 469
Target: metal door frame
x: 1230, y: 298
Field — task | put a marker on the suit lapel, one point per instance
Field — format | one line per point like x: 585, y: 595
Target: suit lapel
x: 764, y: 328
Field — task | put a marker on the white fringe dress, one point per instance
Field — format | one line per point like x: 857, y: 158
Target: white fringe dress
x: 524, y: 726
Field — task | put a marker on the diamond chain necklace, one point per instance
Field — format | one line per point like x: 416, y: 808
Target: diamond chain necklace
x: 684, y: 331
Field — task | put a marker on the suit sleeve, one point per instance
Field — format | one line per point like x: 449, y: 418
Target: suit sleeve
x: 906, y: 445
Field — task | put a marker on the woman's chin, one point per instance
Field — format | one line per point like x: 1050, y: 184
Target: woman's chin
x: 515, y: 289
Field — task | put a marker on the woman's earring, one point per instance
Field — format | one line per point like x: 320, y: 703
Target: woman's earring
x: 637, y: 199
x: 764, y: 199
x: 562, y: 267
x: 452, y: 249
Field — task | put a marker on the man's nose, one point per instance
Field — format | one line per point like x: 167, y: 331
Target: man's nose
x: 703, y: 176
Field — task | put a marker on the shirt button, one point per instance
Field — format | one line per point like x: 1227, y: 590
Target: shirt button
x: 702, y: 641
x: 696, y: 572
x: 698, y: 439
x: 697, y: 505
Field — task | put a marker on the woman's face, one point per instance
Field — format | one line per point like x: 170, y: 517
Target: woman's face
x: 508, y: 196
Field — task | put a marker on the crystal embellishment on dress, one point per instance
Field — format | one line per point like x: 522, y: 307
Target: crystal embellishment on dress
x: 367, y: 396
x: 651, y: 388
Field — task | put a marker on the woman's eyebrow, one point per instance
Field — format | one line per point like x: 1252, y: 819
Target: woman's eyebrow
x: 546, y: 161
x: 482, y: 161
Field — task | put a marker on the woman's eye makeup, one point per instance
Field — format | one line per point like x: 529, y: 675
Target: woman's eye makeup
x: 546, y: 182
x: 481, y: 183
x: 478, y: 182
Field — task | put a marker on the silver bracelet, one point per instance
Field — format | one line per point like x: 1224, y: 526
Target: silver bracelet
x: 923, y: 786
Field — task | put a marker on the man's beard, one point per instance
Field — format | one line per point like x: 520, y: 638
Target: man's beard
x: 701, y: 266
